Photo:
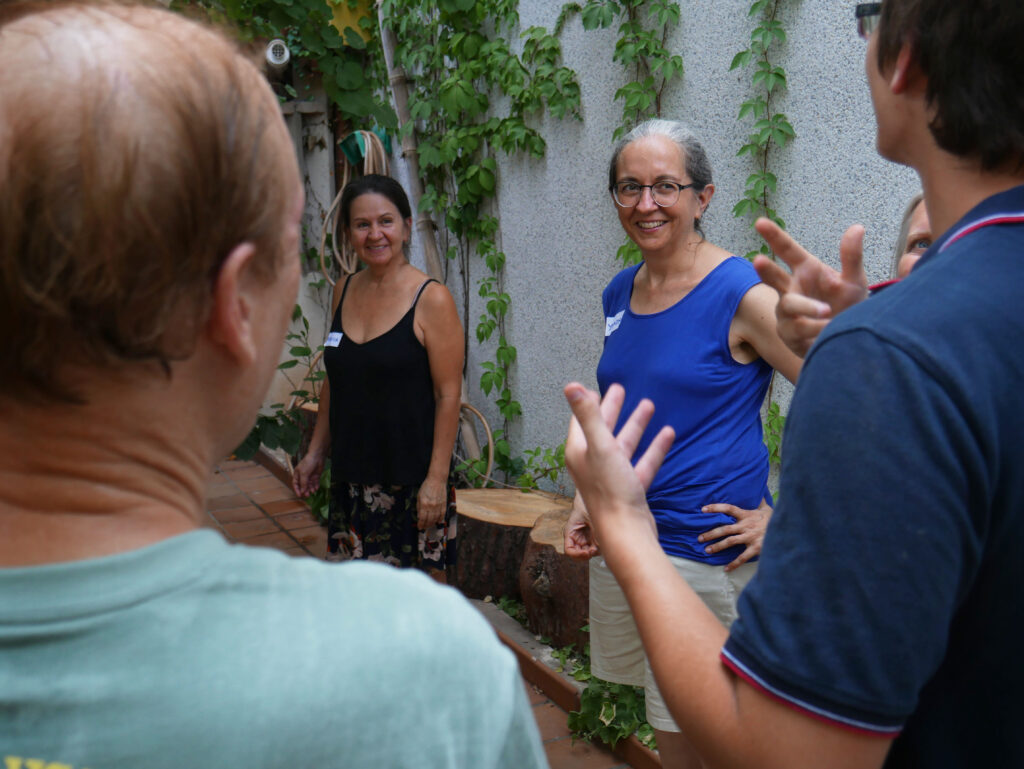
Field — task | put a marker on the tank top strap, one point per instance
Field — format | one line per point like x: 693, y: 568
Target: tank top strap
x: 419, y: 293
x: 344, y: 290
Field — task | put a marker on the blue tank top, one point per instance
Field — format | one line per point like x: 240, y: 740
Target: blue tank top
x: 680, y: 359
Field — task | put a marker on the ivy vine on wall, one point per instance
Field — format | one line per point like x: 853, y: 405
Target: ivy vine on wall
x: 472, y: 102
x: 769, y: 130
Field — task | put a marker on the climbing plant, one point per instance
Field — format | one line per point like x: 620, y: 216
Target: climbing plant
x: 472, y: 102
x: 642, y: 51
x: 770, y: 130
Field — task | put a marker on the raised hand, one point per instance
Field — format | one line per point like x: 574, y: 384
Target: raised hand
x: 813, y: 293
x: 612, y: 488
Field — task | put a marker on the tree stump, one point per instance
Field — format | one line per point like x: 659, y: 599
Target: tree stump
x: 555, y: 588
x: 493, y: 527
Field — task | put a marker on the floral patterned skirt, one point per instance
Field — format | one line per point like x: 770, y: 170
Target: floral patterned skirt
x: 378, y: 523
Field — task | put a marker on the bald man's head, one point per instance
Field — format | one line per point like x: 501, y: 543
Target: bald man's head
x: 137, y: 148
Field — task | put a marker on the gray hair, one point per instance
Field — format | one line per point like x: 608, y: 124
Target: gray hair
x: 901, y: 240
x: 698, y: 167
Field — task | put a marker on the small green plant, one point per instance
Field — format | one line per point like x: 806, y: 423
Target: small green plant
x: 542, y: 464
x: 774, y: 424
x: 319, y: 501
x: 512, y: 608
x: 611, y: 712
x: 608, y: 712
x: 283, y: 427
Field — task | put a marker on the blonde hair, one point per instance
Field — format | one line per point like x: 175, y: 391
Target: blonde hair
x: 136, y: 150
x: 900, y: 247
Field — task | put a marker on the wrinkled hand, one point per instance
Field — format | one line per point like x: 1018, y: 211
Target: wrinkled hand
x: 599, y: 462
x: 306, y: 475
x: 430, y: 503
x: 579, y: 537
x: 813, y: 293
x: 748, y: 530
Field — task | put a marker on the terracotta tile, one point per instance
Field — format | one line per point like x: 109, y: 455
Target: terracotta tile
x: 221, y: 489
x: 567, y: 754
x: 279, y: 492
x: 551, y: 721
x: 226, y: 503
x: 313, y: 538
x: 279, y: 540
x: 209, y: 522
x: 245, y: 529
x: 296, y: 520
x: 251, y: 471
x: 236, y: 514
x: 534, y: 695
x: 284, y: 506
x: 296, y: 552
x: 249, y: 485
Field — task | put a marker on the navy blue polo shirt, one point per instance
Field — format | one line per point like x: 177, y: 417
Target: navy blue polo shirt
x: 889, y: 597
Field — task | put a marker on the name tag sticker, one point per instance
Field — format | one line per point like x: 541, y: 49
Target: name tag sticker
x: 612, y: 324
x: 333, y: 339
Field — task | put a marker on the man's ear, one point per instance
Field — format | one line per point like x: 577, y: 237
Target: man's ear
x: 230, y: 324
x: 905, y: 72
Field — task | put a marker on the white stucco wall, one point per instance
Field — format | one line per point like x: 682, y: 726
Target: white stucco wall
x: 558, y: 225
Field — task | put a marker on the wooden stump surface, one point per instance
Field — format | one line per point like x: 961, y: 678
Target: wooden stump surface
x: 493, y: 527
x: 554, y: 587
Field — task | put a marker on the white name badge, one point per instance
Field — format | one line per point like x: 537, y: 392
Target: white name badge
x: 333, y: 339
x: 612, y: 324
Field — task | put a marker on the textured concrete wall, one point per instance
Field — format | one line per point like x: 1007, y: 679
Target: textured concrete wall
x: 558, y: 225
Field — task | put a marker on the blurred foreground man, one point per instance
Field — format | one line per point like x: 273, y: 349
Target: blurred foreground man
x: 884, y: 623
x: 149, y: 233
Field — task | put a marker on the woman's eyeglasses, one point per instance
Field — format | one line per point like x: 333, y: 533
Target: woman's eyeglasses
x: 664, y: 194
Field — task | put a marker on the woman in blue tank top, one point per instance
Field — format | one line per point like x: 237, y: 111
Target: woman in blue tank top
x: 390, y: 405
x: 693, y: 329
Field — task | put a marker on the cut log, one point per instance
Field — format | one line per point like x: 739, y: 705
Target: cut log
x: 493, y: 527
x: 555, y: 588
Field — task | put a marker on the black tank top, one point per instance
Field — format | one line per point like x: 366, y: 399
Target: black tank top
x: 382, y: 403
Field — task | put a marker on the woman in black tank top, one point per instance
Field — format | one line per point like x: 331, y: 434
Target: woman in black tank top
x: 390, y: 407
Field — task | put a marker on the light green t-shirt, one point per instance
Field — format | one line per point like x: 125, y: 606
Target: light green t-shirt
x: 197, y: 653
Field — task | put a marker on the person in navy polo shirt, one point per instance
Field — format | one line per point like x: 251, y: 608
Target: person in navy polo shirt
x: 883, y: 625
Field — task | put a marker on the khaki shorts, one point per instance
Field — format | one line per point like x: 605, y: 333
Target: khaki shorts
x: 616, y: 653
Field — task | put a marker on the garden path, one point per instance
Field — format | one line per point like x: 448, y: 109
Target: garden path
x: 249, y: 503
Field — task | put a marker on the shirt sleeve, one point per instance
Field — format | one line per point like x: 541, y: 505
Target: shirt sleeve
x: 873, y: 543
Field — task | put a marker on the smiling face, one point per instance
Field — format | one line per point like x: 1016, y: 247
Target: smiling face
x: 377, y: 230
x: 653, y: 228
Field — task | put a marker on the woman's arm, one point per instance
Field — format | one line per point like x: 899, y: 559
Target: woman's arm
x: 306, y: 475
x: 443, y: 338
x: 755, y: 325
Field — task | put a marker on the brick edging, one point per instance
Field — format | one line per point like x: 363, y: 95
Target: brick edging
x: 560, y: 691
